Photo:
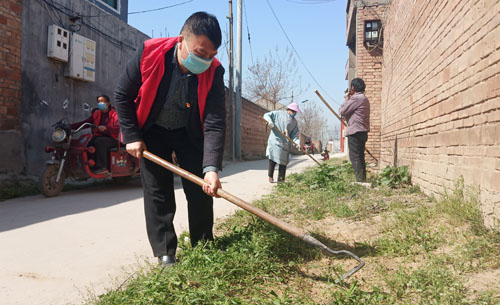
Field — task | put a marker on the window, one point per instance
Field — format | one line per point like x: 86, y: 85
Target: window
x: 372, y: 31
x: 111, y: 3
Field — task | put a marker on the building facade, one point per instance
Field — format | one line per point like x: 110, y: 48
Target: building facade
x: 12, y: 151
x: 437, y: 83
x: 365, y: 57
x: 254, y: 132
x: 56, y: 57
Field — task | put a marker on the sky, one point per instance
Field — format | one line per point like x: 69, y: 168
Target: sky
x: 316, y: 29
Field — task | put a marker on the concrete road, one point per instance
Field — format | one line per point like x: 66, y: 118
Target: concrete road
x: 58, y: 250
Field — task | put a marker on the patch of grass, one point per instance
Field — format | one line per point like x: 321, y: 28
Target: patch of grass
x: 409, y: 233
x: 354, y: 295
x: 317, y: 193
x: 462, y: 204
x: 16, y: 187
x: 489, y: 297
x: 238, y: 268
x: 424, y: 254
x: 433, y: 283
x: 486, y: 250
x: 335, y: 179
x: 415, y: 189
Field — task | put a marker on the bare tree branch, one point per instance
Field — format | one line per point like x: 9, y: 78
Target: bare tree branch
x: 274, y: 78
x: 312, y: 123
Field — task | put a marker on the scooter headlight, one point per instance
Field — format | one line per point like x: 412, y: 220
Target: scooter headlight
x: 58, y: 135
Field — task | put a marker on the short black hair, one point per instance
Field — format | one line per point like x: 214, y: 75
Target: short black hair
x: 104, y: 96
x: 358, y: 84
x: 202, y: 23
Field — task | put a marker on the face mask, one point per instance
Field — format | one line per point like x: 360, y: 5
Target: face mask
x: 194, y: 63
x: 293, y: 114
x: 102, y: 106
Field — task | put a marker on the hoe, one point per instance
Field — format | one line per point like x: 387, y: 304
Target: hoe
x: 257, y: 212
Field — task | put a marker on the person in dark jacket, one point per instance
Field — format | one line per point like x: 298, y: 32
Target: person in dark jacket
x: 105, y: 136
x: 356, y: 110
x: 171, y: 98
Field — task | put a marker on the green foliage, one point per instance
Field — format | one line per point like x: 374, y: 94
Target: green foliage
x: 353, y: 295
x: 322, y: 191
x: 409, y: 233
x: 13, y: 188
x: 332, y: 178
x: 394, y: 177
x: 239, y: 268
x: 462, y: 207
x: 433, y: 283
x: 462, y: 204
x: 255, y: 263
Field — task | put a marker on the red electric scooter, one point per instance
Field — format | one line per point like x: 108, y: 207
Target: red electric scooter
x: 72, y: 158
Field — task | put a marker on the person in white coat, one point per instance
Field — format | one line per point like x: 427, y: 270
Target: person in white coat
x: 278, y: 147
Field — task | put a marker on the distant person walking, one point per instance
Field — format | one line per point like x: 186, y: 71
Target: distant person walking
x: 278, y: 147
x: 356, y: 110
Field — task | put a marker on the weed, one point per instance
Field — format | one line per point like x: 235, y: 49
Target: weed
x: 462, y: 207
x: 253, y: 262
x: 238, y: 268
x: 489, y: 297
x: 415, y: 189
x: 409, y: 234
x: 485, y: 250
x: 433, y: 283
x: 393, y: 177
x: 462, y: 204
x: 353, y: 295
x: 13, y: 188
x: 334, y: 179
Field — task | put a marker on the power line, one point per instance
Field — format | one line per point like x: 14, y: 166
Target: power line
x: 310, y: 1
x: 248, y: 31
x: 71, y: 14
x: 298, y: 55
x: 160, y: 8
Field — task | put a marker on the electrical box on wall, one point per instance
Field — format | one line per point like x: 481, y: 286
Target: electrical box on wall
x: 58, y: 43
x: 82, y: 58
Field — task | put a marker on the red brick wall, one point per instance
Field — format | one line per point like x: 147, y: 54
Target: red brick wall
x: 441, y: 94
x: 253, y: 131
x: 10, y: 64
x: 369, y: 68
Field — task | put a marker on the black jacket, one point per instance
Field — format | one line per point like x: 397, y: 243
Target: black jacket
x: 210, y: 141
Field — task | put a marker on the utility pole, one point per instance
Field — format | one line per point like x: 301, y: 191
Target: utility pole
x: 237, y: 128
x: 231, y: 82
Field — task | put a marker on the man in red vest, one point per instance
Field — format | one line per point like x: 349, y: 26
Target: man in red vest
x: 105, y: 136
x: 171, y: 98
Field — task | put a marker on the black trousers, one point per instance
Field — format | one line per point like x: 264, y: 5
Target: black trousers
x: 102, y: 144
x: 357, y: 143
x: 158, y: 187
x: 281, y: 170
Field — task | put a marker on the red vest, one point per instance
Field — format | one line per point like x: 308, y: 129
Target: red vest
x: 113, y: 122
x: 152, y: 71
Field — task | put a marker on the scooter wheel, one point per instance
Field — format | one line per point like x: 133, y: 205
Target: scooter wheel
x: 47, y: 183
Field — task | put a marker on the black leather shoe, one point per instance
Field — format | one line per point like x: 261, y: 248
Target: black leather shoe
x: 167, y: 260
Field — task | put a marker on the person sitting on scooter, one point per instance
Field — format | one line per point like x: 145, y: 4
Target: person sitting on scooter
x: 325, y: 155
x: 105, y: 135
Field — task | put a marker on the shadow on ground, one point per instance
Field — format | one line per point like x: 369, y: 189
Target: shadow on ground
x: 25, y: 211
